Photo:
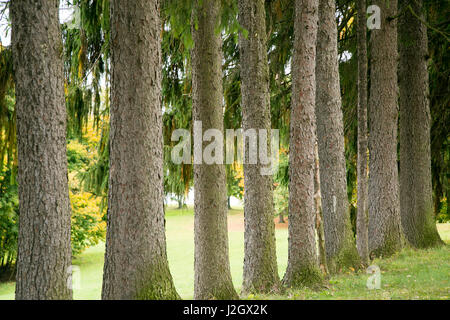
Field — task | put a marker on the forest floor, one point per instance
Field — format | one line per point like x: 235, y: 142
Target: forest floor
x: 410, y: 274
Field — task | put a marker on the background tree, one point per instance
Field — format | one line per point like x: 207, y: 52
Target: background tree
x: 212, y: 266
x: 303, y: 268
x: 348, y: 74
x: 260, y: 261
x: 439, y: 73
x: 44, y: 254
x: 136, y: 264
x: 362, y: 214
x: 416, y: 202
x: 385, y: 231
x: 339, y: 240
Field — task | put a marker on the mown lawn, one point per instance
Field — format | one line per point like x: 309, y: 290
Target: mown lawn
x: 411, y: 274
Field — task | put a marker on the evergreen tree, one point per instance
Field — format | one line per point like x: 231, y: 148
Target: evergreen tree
x: 385, y: 232
x: 303, y: 268
x: 211, y: 266
x: 339, y: 242
x: 416, y: 202
x: 362, y: 214
x: 44, y: 253
x: 136, y: 265
x: 260, y: 261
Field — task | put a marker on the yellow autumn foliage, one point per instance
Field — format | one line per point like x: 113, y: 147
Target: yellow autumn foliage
x: 88, y: 213
x: 88, y: 224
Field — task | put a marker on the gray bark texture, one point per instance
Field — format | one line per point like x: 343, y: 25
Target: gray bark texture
x: 260, y: 261
x: 385, y: 232
x: 136, y: 265
x: 416, y: 202
x: 339, y: 241
x: 44, y: 253
x: 212, y: 265
x: 362, y: 240
x: 303, y: 268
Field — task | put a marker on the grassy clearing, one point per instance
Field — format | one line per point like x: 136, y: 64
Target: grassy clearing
x: 411, y: 274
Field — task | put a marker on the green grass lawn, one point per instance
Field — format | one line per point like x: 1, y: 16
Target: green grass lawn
x: 410, y: 274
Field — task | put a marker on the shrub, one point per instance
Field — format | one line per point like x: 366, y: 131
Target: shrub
x: 9, y: 216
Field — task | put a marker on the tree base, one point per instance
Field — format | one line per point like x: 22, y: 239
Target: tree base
x: 310, y: 277
x: 347, y: 258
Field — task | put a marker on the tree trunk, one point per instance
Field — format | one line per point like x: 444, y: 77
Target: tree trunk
x: 212, y: 266
x: 260, y: 261
x: 180, y: 201
x: 136, y: 264
x: 416, y: 199
x: 339, y: 242
x: 303, y: 268
x: 44, y: 253
x: 385, y: 232
x: 362, y: 214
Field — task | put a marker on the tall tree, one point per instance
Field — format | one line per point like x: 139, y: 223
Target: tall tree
x: 44, y: 254
x: 260, y: 261
x: 303, y: 266
x: 212, y: 266
x: 362, y: 214
x: 136, y: 264
x: 416, y: 200
x: 385, y: 232
x: 339, y: 242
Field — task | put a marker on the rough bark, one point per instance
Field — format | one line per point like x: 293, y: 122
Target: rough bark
x: 416, y: 202
x: 44, y: 253
x: 339, y: 242
x: 136, y: 265
x: 362, y: 214
x: 212, y: 266
x: 260, y: 261
x: 385, y: 233
x: 303, y: 268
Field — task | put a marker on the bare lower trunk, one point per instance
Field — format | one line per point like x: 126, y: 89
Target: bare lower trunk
x: 416, y: 200
x: 303, y: 268
x: 260, y: 261
x: 212, y: 266
x: 44, y: 253
x: 180, y: 202
x: 136, y: 264
x: 362, y: 214
x: 385, y: 232
x: 339, y: 242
